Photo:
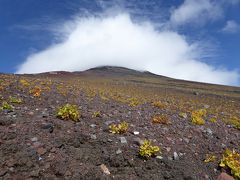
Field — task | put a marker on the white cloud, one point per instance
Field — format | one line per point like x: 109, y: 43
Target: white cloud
x: 118, y: 41
x: 192, y: 11
x: 231, y: 27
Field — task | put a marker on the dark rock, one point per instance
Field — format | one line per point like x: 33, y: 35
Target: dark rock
x: 48, y: 127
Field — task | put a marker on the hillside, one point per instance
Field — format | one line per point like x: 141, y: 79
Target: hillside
x: 192, y: 124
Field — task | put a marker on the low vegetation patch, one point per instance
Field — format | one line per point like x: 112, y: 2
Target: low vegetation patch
x: 160, y: 119
x: 133, y: 102
x: 6, y: 106
x: 146, y: 150
x: 15, y: 100
x: 158, y: 104
x: 96, y: 114
x: 24, y: 83
x: 36, y: 91
x: 198, y: 115
x: 68, y: 112
x: 210, y: 158
x: 231, y: 161
x: 119, y: 128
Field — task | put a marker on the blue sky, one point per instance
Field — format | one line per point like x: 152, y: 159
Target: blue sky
x: 202, y: 37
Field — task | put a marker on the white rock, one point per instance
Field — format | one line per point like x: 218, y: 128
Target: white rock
x: 175, y: 156
x: 105, y: 169
x: 118, y: 151
x: 34, y: 139
x: 123, y: 140
x: 135, y: 132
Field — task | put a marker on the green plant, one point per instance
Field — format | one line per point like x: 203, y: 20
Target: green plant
x: 119, y: 128
x: 197, y: 116
x: 231, y: 160
x: 147, y: 150
x: 6, y: 106
x: 68, y: 112
x: 15, y: 100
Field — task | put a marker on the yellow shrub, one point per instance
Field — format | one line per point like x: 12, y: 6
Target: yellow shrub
x: 147, y: 150
x: 231, y: 160
x: 68, y: 112
x: 119, y: 128
x: 197, y: 116
x: 161, y: 119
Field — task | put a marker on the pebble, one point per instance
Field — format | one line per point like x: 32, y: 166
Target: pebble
x: 108, y: 122
x: 206, y: 106
x: 168, y: 149
x: 186, y: 140
x: 118, y: 151
x: 41, y: 151
x: 159, y: 157
x: 209, y: 131
x: 34, y: 139
x: 105, y: 169
x: 175, y: 156
x: 123, y: 140
x: 45, y: 114
x: 93, y: 125
x: 49, y: 127
x: 135, y: 132
x: 93, y: 136
x: 31, y: 113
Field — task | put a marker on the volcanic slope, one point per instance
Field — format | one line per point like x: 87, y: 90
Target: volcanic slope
x: 192, y: 123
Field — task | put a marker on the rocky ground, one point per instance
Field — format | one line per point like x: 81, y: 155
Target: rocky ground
x: 35, y: 144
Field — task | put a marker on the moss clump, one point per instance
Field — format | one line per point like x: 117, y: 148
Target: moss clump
x: 198, y: 115
x: 24, y: 82
x: 231, y: 161
x: 6, y: 106
x: 15, y: 100
x: 146, y: 150
x: 160, y: 119
x: 68, y: 112
x: 119, y: 128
